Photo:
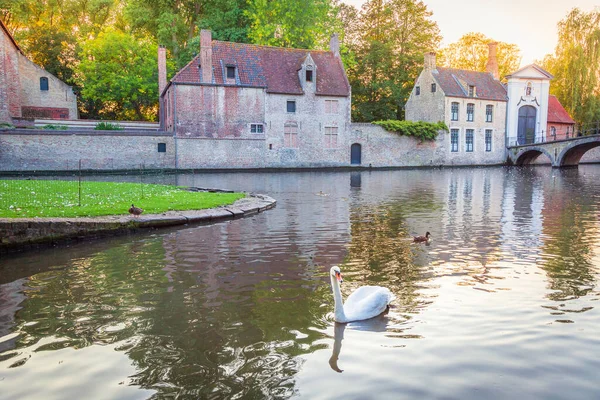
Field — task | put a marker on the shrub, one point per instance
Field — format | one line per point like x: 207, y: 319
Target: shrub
x: 108, y: 126
x: 417, y: 129
x: 53, y: 127
x: 6, y: 125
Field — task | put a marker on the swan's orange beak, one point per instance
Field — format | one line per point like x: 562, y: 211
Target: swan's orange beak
x: 338, y: 275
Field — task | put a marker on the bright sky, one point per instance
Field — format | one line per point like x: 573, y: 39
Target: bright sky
x: 530, y: 24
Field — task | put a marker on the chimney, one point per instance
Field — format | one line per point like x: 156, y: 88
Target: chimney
x: 334, y: 44
x: 492, y: 62
x: 162, y: 69
x: 429, y: 60
x: 206, y: 55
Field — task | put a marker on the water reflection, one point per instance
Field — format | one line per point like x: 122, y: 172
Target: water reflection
x: 239, y: 309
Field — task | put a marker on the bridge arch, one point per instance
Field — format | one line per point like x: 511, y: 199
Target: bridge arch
x: 571, y: 155
x: 530, y: 154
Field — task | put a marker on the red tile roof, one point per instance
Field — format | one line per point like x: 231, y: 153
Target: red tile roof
x: 274, y: 68
x: 486, y: 87
x: 556, y: 112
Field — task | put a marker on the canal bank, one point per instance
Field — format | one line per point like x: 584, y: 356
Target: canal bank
x: 18, y: 234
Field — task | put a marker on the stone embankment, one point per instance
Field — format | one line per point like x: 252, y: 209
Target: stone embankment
x: 22, y: 233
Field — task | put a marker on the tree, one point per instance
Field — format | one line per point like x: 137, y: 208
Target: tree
x: 121, y: 72
x: 575, y: 65
x: 394, y: 36
x: 305, y: 24
x: 471, y: 53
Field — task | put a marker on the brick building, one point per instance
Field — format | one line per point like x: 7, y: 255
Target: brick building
x: 472, y: 104
x: 560, y: 124
x: 27, y: 90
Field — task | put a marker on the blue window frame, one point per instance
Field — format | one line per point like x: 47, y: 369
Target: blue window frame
x: 454, y: 140
x: 454, y: 111
x: 488, y: 140
x: 469, y: 140
x: 470, y: 112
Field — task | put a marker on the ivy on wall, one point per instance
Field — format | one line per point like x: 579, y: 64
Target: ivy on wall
x: 417, y: 129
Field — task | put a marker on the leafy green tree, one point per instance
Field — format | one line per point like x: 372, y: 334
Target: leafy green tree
x: 303, y: 24
x: 575, y: 65
x: 471, y: 52
x: 394, y: 34
x: 120, y: 71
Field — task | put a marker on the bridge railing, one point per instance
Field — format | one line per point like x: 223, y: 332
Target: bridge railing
x: 516, y: 141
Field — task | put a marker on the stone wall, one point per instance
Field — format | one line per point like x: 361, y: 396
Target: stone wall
x: 25, y: 150
x: 10, y: 84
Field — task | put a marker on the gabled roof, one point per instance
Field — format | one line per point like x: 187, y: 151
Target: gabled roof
x: 12, y: 39
x: 557, y: 113
x: 521, y: 73
x: 486, y: 87
x: 274, y: 68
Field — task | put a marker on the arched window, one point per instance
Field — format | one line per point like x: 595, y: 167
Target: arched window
x: 43, y: 83
x: 527, y: 125
x: 528, y: 90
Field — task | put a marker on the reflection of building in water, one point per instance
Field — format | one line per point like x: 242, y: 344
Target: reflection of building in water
x: 11, y: 297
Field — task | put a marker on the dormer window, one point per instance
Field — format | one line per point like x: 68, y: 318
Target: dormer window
x: 309, y: 75
x: 471, y: 91
x: 230, y: 72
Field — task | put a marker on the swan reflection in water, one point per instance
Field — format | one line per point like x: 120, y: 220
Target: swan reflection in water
x: 377, y: 324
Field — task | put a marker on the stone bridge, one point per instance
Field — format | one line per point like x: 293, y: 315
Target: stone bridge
x: 562, y: 153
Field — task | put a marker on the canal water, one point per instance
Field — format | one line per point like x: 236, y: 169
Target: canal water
x: 501, y: 305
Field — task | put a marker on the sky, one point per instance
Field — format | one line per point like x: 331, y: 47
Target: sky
x: 530, y: 24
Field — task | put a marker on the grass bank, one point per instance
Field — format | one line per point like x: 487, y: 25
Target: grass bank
x: 51, y: 198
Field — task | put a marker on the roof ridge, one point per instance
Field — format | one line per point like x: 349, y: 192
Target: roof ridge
x: 273, y: 47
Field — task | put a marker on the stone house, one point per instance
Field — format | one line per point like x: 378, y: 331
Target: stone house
x: 472, y: 104
x: 256, y: 106
x: 560, y: 124
x: 27, y: 90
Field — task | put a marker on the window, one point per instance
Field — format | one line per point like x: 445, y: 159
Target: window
x: 488, y: 140
x: 291, y: 106
x: 471, y: 91
x: 454, y: 140
x: 43, y: 83
x: 553, y: 132
x: 230, y: 72
x: 454, y: 112
x: 528, y: 90
x: 418, y: 90
x: 331, y: 136
x: 470, y: 112
x: 309, y: 75
x: 290, y: 135
x: 489, y: 110
x: 331, y: 106
x: 469, y: 140
x: 433, y: 88
x: 256, y: 128
x: 162, y: 147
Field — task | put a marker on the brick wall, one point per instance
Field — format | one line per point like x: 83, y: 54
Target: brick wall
x: 24, y: 150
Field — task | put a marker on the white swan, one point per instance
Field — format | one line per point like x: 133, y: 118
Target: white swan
x: 364, y: 303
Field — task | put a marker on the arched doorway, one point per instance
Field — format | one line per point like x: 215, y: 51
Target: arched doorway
x: 526, y: 132
x: 355, y: 154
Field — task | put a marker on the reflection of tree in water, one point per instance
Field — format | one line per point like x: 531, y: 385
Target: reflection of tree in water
x: 244, y: 342
x: 569, y: 267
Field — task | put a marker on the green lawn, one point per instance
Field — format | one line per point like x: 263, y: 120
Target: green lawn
x: 46, y: 198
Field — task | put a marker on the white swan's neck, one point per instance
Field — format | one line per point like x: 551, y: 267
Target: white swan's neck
x: 337, y: 297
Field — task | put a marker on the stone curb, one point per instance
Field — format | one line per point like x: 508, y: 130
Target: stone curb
x: 20, y: 233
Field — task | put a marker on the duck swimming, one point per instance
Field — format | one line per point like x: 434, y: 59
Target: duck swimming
x: 421, y: 239
x: 364, y: 303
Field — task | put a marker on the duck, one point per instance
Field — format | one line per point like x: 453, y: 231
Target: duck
x: 421, y: 239
x: 135, y: 211
x: 364, y: 303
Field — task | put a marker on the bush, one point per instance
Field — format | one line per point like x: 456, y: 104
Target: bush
x: 108, y: 126
x: 6, y: 125
x: 417, y: 129
x: 53, y: 127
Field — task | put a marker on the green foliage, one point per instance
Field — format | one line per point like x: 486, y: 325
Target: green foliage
x: 120, y: 71
x: 42, y: 198
x: 417, y: 129
x: 575, y: 65
x: 391, y: 37
x: 471, y: 52
x: 6, y: 125
x: 54, y: 127
x: 108, y: 126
